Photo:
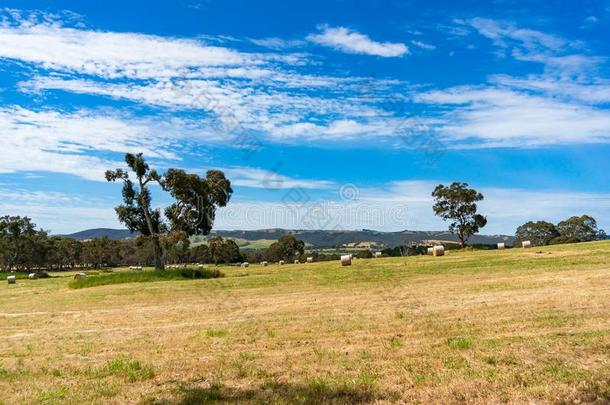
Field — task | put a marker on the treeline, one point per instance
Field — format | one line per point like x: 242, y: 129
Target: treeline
x: 572, y: 230
x: 23, y: 247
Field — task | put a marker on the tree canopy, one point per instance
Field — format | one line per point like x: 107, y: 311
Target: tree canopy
x: 223, y: 250
x: 286, y: 248
x: 580, y: 229
x: 539, y: 233
x: 457, y: 203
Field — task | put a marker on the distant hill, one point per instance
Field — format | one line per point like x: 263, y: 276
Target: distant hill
x: 336, y: 238
x: 114, y: 234
x: 314, y: 238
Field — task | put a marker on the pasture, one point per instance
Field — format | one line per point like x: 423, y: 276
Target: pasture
x: 507, y: 326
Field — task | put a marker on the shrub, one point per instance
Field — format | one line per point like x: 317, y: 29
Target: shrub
x: 144, y: 277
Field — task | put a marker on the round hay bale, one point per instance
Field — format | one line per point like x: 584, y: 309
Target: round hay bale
x: 438, y: 250
x: 377, y: 254
x: 526, y: 244
x: 430, y: 251
x: 281, y: 262
x: 264, y: 264
x: 245, y: 264
x: 78, y: 276
x: 501, y: 246
x: 11, y: 279
x: 32, y: 276
x: 346, y: 260
x: 310, y: 260
x: 297, y: 262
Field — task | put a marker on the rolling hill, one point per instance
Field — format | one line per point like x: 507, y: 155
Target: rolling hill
x: 316, y: 238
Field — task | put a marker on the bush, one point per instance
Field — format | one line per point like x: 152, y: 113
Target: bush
x: 144, y: 277
x: 24, y: 276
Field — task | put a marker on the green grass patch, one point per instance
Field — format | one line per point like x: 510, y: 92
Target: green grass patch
x: 216, y: 333
x: 459, y: 342
x: 130, y: 370
x: 144, y: 277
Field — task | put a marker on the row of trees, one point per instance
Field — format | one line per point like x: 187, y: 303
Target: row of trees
x: 572, y: 230
x: 23, y: 247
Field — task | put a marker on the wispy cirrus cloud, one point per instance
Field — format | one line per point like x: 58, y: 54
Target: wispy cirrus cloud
x: 560, y: 56
x: 114, y: 55
x: 70, y: 142
x: 271, y: 180
x: 350, y: 41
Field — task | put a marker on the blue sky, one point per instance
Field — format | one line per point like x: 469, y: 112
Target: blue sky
x: 324, y: 114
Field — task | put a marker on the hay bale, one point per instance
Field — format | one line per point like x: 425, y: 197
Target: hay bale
x: 438, y: 250
x: 264, y: 264
x: 79, y: 276
x: 377, y: 254
x: 501, y: 246
x: 297, y: 262
x: 11, y: 279
x: 526, y: 244
x: 281, y: 262
x: 430, y: 251
x: 310, y: 260
x: 346, y: 260
x: 245, y: 264
x: 32, y: 276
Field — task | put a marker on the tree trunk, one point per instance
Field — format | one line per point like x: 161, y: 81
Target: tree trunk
x: 158, y: 253
x: 157, y: 249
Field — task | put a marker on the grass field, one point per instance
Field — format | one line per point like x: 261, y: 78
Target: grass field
x: 480, y: 327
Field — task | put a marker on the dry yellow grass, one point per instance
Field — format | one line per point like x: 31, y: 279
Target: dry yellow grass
x: 508, y: 326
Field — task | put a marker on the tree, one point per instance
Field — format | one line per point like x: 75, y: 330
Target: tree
x: 539, y: 233
x: 458, y: 203
x: 196, y: 200
x: 101, y: 252
x: 17, y: 237
x: 176, y: 245
x: 223, y: 250
x: 579, y: 229
x: 286, y: 248
x: 200, y: 254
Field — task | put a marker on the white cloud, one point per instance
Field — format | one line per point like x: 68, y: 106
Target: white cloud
x: 233, y: 107
x: 270, y: 179
x: 496, y: 117
x: 64, y: 142
x: 423, y: 45
x: 594, y: 92
x: 277, y: 43
x: 58, y: 212
x: 350, y: 41
x: 117, y: 55
x: 560, y: 56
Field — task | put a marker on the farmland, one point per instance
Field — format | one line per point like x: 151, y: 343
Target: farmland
x: 473, y: 326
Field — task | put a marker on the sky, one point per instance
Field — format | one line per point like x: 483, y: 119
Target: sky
x: 323, y: 114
